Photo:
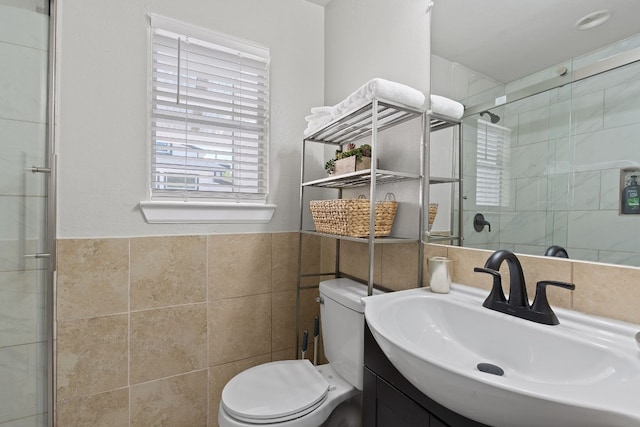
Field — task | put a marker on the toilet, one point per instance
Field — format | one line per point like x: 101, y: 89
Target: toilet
x: 294, y: 393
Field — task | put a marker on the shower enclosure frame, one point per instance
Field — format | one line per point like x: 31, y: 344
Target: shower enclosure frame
x: 568, y: 77
x: 51, y: 217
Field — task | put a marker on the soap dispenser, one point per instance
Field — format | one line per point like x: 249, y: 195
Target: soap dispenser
x: 631, y: 197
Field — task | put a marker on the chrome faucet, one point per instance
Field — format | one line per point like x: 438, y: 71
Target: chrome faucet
x: 518, y: 303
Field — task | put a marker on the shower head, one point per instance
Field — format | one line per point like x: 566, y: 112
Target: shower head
x: 494, y: 117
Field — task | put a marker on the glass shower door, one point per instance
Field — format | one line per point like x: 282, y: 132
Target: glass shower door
x: 24, y: 294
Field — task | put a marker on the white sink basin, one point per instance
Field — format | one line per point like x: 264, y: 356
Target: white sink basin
x: 583, y: 372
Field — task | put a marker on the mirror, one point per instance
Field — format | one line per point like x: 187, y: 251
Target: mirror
x: 550, y: 153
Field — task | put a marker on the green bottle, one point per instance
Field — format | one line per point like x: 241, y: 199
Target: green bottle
x: 631, y: 197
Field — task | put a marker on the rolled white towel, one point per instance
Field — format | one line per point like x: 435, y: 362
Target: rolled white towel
x: 446, y: 107
x: 314, y: 117
x: 393, y: 91
x: 322, y: 110
x: 314, y: 125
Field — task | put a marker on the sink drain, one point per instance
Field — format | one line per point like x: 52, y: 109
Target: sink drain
x: 490, y: 368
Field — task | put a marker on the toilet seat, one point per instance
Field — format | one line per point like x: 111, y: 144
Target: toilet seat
x: 275, y: 392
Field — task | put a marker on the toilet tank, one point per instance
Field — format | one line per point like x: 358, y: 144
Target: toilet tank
x: 342, y: 320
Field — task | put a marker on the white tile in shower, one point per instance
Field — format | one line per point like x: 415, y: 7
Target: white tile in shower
x: 622, y: 103
x: 603, y: 230
x: 530, y: 160
x: 560, y: 94
x: 531, y: 194
x: 533, y: 126
x: 559, y: 191
x: 607, y: 149
x: 23, y: 146
x: 469, y: 193
x: 24, y: 367
x: 586, y: 191
x: 22, y: 307
x: 612, y: 78
x: 23, y: 82
x: 620, y: 258
x: 523, y: 227
x: 24, y: 27
x: 582, y: 254
x: 610, y: 189
x: 560, y: 156
x: 530, y: 103
x: 557, y: 225
x: 587, y: 112
x: 559, y: 119
x: 590, y: 85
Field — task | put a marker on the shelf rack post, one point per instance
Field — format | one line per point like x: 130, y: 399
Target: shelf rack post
x: 372, y: 194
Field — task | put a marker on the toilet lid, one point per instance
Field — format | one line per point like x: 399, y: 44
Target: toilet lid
x: 275, y: 392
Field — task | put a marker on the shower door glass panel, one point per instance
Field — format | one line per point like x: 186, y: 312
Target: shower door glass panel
x: 24, y: 331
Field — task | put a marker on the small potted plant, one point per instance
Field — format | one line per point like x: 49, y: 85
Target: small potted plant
x: 351, y: 160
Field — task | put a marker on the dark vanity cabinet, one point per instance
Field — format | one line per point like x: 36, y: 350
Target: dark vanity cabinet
x: 389, y: 400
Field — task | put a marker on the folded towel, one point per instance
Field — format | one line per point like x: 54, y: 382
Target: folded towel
x: 446, y: 107
x: 384, y: 89
x: 393, y: 91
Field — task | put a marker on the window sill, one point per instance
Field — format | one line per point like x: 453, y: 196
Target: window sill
x: 177, y: 212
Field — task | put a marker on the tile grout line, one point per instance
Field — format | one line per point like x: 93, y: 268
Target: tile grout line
x: 206, y: 282
x: 129, y: 330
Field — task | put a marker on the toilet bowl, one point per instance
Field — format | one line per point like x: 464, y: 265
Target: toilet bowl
x: 294, y: 393
x: 291, y: 393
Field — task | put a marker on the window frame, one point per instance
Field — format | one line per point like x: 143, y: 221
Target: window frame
x: 179, y: 207
x: 492, y: 165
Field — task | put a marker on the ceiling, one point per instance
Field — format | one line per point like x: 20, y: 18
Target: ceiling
x: 509, y: 39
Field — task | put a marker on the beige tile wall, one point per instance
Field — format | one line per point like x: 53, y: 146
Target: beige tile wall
x: 604, y: 290
x: 150, y: 329
x: 601, y: 289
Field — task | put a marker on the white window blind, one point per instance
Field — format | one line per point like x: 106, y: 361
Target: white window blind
x: 492, y: 160
x: 209, y: 116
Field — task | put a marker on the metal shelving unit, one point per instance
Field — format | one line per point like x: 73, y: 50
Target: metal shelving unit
x: 369, y: 119
x: 366, y: 122
x: 437, y: 123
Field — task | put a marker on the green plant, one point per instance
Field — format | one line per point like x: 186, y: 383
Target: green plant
x: 362, y: 151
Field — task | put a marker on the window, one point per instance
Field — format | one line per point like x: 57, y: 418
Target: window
x: 492, y: 170
x: 209, y: 123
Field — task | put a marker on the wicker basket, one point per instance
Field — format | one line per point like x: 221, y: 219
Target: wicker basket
x: 350, y: 217
x: 433, y: 210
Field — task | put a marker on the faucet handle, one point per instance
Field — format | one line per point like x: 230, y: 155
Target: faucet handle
x: 491, y: 271
x: 497, y: 294
x: 541, y: 303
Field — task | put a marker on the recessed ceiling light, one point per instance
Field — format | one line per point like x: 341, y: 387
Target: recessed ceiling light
x: 593, y: 19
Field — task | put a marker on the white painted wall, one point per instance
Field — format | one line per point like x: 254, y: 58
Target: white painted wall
x: 389, y: 39
x: 102, y: 124
x: 376, y: 38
